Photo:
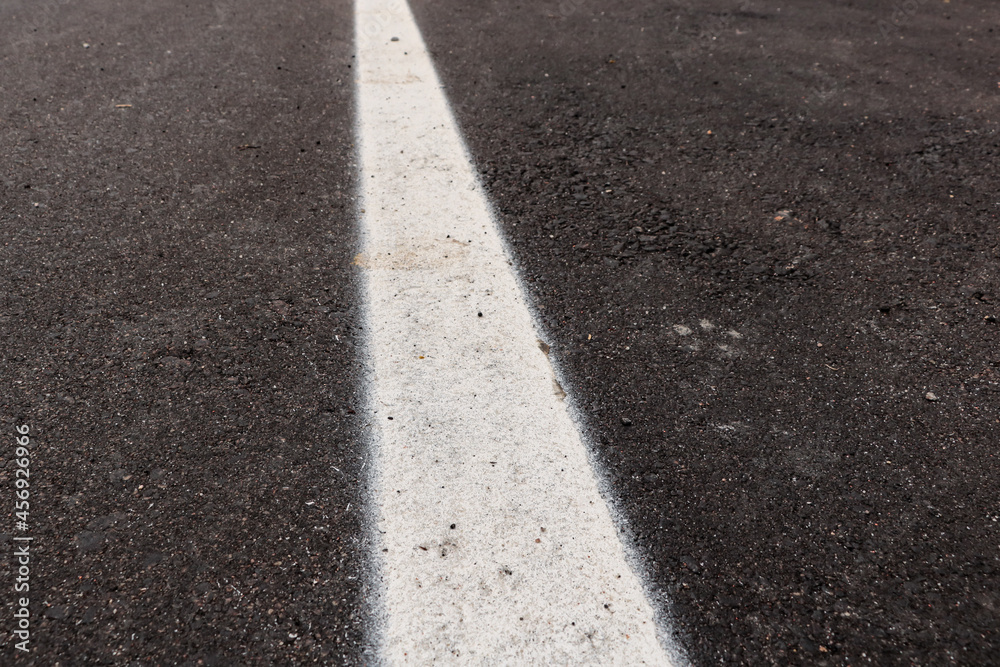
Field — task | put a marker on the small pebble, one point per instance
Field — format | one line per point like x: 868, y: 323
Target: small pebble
x: 931, y: 396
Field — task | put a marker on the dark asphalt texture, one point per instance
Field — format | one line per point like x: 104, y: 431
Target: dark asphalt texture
x: 762, y: 237
x: 175, y: 278
x: 787, y: 173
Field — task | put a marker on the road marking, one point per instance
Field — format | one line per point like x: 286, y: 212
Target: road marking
x: 497, y: 546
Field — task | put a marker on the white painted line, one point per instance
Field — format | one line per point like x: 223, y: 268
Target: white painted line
x: 497, y: 546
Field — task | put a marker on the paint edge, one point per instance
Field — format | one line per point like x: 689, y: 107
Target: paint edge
x: 376, y: 615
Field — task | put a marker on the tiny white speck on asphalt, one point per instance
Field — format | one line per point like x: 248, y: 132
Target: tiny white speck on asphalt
x: 495, y: 544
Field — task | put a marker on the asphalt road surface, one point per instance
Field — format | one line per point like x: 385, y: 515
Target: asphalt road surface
x: 761, y: 238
